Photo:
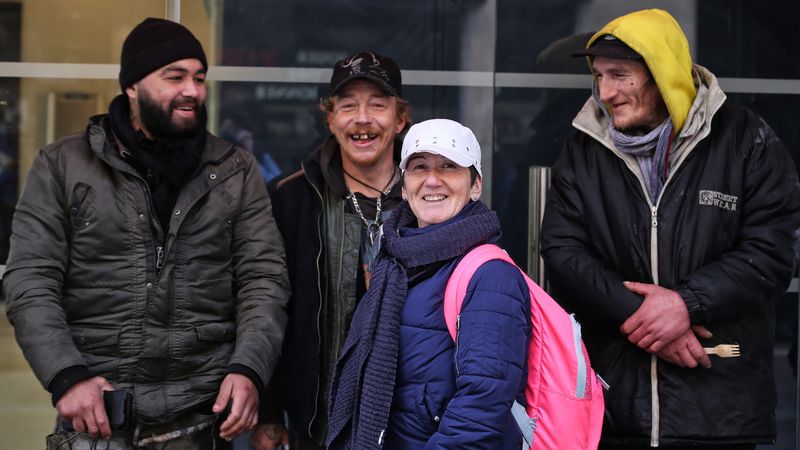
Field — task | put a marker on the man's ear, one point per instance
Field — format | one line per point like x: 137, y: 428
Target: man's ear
x: 131, y: 92
x: 329, y: 121
x: 401, y: 124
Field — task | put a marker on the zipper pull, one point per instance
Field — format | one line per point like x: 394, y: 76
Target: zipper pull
x: 654, y: 217
x: 603, y: 383
x: 159, y: 257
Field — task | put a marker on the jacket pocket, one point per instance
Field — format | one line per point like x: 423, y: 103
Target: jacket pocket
x: 429, y: 407
x: 216, y: 332
x: 97, y: 341
x: 212, y: 348
x: 81, y: 206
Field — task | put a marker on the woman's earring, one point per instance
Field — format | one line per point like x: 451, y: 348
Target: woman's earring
x: 475, y: 198
x: 405, y: 198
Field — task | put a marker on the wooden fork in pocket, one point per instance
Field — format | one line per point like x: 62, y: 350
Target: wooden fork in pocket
x: 723, y: 350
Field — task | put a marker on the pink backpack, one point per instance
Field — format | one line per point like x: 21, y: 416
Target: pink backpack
x: 564, y: 395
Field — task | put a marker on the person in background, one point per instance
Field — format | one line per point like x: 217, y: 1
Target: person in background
x: 233, y: 130
x: 330, y: 213
x: 145, y: 260
x: 401, y: 382
x: 669, y: 231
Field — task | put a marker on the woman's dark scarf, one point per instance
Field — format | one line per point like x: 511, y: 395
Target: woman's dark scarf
x: 364, y: 377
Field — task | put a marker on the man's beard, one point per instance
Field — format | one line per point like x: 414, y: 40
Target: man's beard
x: 159, y: 121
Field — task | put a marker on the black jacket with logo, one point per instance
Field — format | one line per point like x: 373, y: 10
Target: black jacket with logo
x: 722, y: 235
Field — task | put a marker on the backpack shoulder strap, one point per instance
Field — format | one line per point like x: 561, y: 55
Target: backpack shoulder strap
x: 457, y: 285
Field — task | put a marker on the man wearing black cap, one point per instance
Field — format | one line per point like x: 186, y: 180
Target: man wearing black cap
x: 330, y: 213
x: 145, y: 261
x: 669, y: 231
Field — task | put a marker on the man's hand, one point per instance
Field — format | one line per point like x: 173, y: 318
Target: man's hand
x: 82, y: 404
x: 686, y: 350
x: 269, y: 436
x: 660, y: 319
x: 243, y: 395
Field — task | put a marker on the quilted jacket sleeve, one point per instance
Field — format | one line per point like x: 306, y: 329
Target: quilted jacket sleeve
x: 34, y: 276
x: 261, y: 280
x: 491, y: 351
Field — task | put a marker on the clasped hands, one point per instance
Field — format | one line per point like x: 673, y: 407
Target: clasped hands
x: 661, y: 325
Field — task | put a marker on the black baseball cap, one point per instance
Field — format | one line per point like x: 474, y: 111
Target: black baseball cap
x: 610, y: 47
x: 369, y: 66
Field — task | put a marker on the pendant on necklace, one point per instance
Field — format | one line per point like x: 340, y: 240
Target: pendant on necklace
x: 372, y: 231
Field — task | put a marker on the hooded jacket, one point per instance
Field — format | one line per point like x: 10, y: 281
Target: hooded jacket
x: 720, y: 234
x: 87, y: 285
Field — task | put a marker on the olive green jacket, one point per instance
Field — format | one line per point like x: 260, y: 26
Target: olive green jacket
x: 88, y: 282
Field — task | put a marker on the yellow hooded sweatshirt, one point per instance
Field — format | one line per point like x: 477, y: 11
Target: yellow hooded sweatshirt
x: 656, y: 36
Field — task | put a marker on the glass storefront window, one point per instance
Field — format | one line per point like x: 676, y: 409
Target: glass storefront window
x: 501, y: 67
x: 90, y: 31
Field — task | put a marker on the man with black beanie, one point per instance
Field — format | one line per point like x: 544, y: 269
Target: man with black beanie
x: 146, y: 280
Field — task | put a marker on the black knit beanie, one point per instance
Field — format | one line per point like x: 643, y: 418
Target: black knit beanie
x: 154, y: 43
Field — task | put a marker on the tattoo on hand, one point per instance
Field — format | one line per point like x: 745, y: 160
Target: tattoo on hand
x: 273, y: 431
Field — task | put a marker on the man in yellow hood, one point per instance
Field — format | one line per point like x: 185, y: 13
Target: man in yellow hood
x: 669, y: 231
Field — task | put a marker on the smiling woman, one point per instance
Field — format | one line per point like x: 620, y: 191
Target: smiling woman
x: 434, y: 402
x: 439, y: 156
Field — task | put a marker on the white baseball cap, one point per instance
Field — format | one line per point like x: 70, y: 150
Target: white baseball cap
x: 443, y: 137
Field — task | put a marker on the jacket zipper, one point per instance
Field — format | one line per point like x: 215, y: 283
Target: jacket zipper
x: 455, y: 353
x: 655, y: 406
x: 159, y: 257
x: 336, y: 305
x: 319, y: 288
x: 160, y: 244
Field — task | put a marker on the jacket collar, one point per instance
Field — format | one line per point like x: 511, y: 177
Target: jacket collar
x: 324, y: 167
x: 593, y: 121
x: 111, y: 150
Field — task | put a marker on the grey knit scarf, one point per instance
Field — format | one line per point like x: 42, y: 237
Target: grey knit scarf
x: 650, y: 152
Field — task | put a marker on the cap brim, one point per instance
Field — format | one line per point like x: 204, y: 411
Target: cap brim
x: 609, y: 51
x: 448, y: 153
x: 387, y: 88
